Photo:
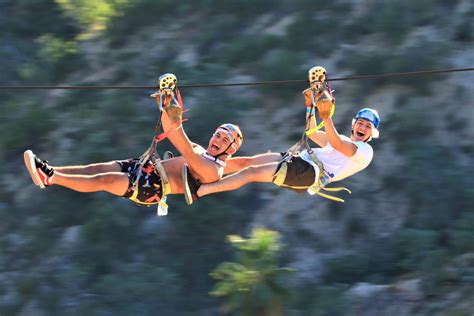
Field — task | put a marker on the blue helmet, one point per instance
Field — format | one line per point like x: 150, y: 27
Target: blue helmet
x: 372, y: 116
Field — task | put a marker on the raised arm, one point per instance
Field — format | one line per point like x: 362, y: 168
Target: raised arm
x: 333, y: 137
x: 319, y: 137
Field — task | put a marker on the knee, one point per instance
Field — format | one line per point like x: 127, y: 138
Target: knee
x: 113, y: 183
x: 261, y: 173
x: 253, y: 173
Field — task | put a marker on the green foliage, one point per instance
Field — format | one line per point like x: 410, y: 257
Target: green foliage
x: 408, y: 250
x: 279, y: 64
x: 137, y: 288
x: 416, y: 248
x: 127, y: 262
x: 461, y: 234
x: 248, y: 49
x: 253, y: 284
x: 418, y: 57
x: 242, y: 8
x: 431, y: 173
x: 18, y: 37
x: 355, y: 226
x: 92, y: 15
x: 320, y: 300
x: 463, y: 31
x: 18, y: 17
x: 396, y: 18
x: 23, y: 123
x: 56, y: 57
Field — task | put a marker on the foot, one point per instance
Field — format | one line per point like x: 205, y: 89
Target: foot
x: 40, y: 172
x: 190, y: 185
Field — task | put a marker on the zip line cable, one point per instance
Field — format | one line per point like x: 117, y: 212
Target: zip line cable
x: 257, y: 83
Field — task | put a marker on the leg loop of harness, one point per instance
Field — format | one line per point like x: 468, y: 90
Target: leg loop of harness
x: 162, y: 209
x: 322, y: 179
x: 151, y: 155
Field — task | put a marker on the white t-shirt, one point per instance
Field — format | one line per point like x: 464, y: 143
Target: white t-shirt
x: 340, y: 165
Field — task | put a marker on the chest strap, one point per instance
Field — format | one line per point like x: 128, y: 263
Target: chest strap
x: 214, y: 159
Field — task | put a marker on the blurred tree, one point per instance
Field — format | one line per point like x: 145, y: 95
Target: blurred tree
x: 253, y: 284
x: 92, y: 15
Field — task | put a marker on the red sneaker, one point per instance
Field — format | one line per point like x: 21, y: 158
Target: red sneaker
x: 40, y: 172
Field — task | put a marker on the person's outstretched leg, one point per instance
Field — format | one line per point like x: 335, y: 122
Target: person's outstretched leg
x: 112, y: 182
x: 259, y: 173
x: 193, y: 189
x: 107, y: 176
x: 236, y: 164
x: 90, y: 169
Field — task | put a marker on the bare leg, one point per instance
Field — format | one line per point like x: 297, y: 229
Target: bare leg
x: 112, y: 182
x: 91, y: 169
x: 260, y: 173
x: 236, y: 164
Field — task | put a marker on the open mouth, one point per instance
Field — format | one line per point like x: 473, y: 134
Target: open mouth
x: 215, y: 147
x: 360, y: 134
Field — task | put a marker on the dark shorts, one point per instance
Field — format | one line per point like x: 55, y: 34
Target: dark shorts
x: 148, y: 190
x: 294, y: 173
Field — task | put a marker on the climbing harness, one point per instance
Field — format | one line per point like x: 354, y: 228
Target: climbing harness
x: 169, y: 95
x: 320, y: 90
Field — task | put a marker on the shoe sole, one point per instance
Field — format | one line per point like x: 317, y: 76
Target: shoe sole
x: 187, y: 192
x: 30, y: 164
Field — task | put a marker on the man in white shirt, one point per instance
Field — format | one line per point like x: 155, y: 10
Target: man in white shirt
x: 339, y: 157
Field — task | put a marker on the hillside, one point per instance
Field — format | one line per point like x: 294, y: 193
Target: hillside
x: 402, y: 244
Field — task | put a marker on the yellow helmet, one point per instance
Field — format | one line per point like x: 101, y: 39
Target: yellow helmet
x: 317, y: 73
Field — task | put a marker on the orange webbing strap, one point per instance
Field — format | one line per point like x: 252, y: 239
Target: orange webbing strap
x: 179, y: 100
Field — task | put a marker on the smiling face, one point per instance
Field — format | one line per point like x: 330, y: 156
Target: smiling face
x: 219, y: 142
x: 361, y: 130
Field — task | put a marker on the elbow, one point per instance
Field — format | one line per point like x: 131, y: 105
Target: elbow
x: 337, y: 144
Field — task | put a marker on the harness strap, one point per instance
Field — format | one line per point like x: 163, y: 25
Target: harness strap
x: 166, y: 186
x: 151, y: 153
x: 326, y: 93
x: 214, y: 159
x: 162, y: 209
x: 322, y: 179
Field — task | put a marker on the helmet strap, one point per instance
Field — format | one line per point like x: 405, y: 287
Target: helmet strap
x: 225, y: 151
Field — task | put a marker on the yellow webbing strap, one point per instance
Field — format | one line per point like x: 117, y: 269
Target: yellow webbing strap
x: 331, y: 197
x: 317, y: 128
x: 162, y: 209
x: 280, y: 176
x: 134, y: 195
x: 321, y: 124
